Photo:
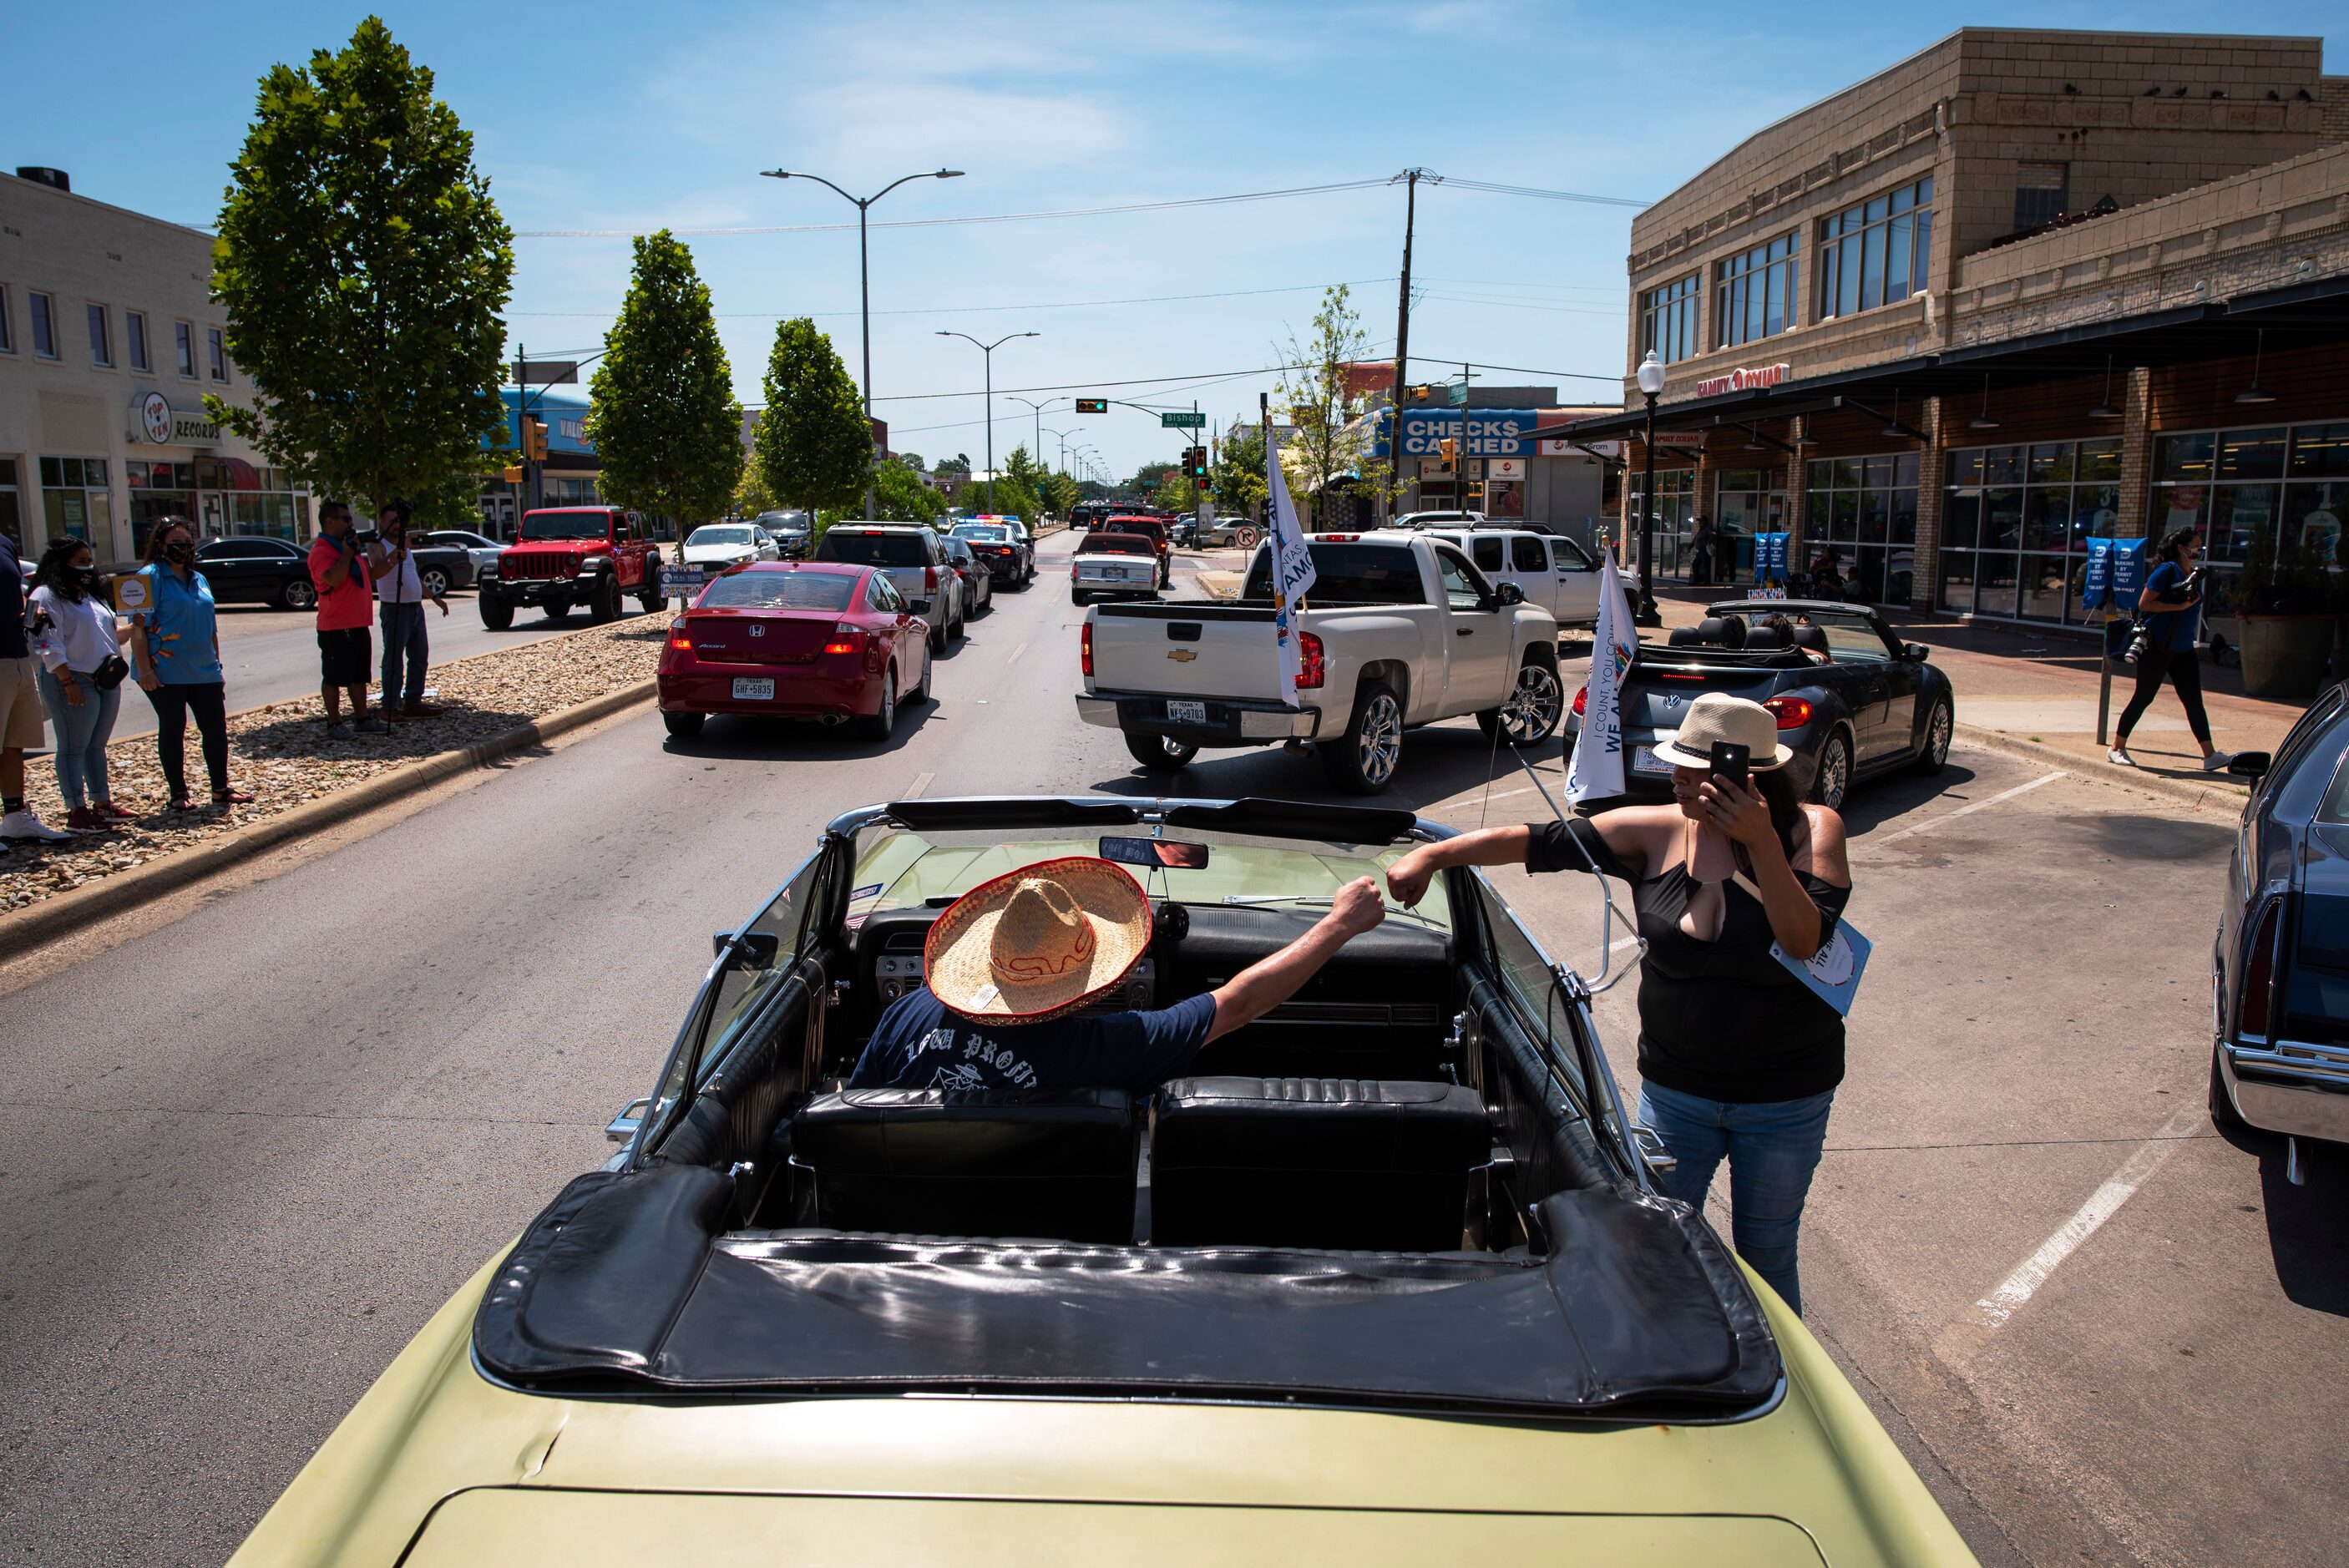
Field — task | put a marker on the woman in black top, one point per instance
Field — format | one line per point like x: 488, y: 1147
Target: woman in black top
x: 1739, y: 1059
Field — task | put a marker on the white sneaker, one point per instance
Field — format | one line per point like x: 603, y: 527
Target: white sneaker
x: 2120, y: 758
x: 2216, y: 760
x: 21, y: 827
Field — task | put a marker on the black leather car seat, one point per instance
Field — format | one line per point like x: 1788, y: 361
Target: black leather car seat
x: 1351, y: 1164
x: 1684, y: 638
x: 1057, y: 1165
x: 1814, y: 639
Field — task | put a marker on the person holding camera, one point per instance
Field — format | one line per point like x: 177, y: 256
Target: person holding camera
x: 81, y: 679
x: 338, y: 571
x: 20, y: 702
x: 399, y: 603
x: 1739, y: 1059
x: 2171, y: 608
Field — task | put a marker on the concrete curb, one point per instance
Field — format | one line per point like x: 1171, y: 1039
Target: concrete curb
x: 24, y: 929
x: 2092, y: 770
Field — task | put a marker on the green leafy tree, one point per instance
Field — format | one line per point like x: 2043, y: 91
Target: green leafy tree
x: 1178, y: 493
x: 752, y: 495
x: 363, y: 267
x: 900, y: 495
x: 1332, y: 441
x: 1148, y: 478
x: 661, y: 408
x: 813, y: 443
x: 1236, y: 479
x: 1056, y: 492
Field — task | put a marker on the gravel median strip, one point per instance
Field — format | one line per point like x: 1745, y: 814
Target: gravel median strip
x: 280, y: 754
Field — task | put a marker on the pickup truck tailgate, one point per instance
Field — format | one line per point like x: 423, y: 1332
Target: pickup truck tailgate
x: 1185, y: 650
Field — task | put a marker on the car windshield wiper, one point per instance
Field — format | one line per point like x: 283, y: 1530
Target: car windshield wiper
x: 1321, y: 900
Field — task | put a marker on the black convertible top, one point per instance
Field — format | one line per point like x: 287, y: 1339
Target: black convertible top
x: 627, y: 1286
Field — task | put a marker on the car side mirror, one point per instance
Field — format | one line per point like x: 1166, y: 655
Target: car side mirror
x: 2251, y: 764
x: 623, y: 1126
x: 918, y: 606
x: 1917, y: 651
x: 1509, y: 594
x: 755, y: 950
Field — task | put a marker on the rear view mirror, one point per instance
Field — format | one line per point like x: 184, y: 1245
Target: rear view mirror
x: 2249, y: 763
x: 753, y: 950
x: 1917, y: 651
x: 1173, y: 853
x: 1509, y: 594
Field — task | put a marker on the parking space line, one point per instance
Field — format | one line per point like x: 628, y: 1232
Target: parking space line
x: 1871, y: 841
x: 921, y: 782
x: 1992, y: 1310
x: 1013, y: 657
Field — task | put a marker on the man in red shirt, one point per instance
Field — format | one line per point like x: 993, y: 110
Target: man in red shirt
x: 345, y: 610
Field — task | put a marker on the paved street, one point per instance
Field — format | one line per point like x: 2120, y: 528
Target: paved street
x: 251, y: 1148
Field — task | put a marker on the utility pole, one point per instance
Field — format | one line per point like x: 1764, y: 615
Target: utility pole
x: 1402, y: 323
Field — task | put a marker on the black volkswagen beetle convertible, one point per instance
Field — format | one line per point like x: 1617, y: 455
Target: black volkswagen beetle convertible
x: 1851, y: 699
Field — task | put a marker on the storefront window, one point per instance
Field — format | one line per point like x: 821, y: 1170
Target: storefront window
x: 1861, y: 518
x: 1746, y: 501
x: 158, y: 491
x: 75, y: 500
x: 12, y: 507
x: 1674, y: 509
x: 2015, y: 522
x: 1668, y: 320
x: 2238, y: 485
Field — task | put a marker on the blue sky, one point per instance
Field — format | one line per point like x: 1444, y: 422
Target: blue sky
x: 595, y: 116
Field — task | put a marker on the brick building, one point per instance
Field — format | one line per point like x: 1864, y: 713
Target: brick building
x: 2022, y: 288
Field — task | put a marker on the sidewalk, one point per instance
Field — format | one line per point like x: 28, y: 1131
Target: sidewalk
x: 2041, y: 687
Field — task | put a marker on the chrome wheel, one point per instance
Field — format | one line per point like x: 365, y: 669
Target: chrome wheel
x: 1937, y: 731
x: 1834, y: 773
x: 1533, y: 709
x: 1378, y: 739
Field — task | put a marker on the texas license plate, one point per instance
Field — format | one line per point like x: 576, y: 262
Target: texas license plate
x: 754, y: 688
x: 1186, y: 712
x: 1645, y: 761
x: 1115, y: 571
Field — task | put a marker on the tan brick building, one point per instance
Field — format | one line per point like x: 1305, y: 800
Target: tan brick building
x: 1999, y: 297
x: 108, y: 342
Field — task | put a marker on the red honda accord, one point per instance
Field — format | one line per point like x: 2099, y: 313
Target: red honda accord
x: 798, y: 639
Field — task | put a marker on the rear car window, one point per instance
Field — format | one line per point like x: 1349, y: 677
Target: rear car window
x: 1118, y: 544
x: 1349, y: 574
x: 873, y: 549
x: 1526, y: 554
x: 780, y: 591
x: 1485, y: 551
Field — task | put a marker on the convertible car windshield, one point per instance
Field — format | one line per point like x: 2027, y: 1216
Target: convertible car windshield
x: 1411, y: 1186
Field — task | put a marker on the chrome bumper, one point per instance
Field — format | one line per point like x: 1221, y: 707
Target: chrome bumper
x: 2289, y: 1087
x: 1229, y: 723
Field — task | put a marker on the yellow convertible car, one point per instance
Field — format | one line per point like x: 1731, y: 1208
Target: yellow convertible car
x: 1386, y: 1281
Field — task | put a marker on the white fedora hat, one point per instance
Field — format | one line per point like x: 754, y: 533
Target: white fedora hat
x: 1717, y: 716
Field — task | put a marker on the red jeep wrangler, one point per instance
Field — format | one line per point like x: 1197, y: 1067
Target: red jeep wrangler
x: 567, y: 555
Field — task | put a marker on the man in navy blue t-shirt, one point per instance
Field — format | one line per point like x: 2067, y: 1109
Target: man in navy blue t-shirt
x: 1010, y: 964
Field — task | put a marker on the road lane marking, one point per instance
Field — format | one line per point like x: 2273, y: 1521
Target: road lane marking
x: 1016, y: 652
x: 1871, y: 841
x: 1992, y: 1310
x: 921, y: 782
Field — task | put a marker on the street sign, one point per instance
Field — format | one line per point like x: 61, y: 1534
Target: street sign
x: 1177, y: 420
x: 546, y: 372
x: 1457, y: 393
x: 682, y: 582
x: 1092, y: 405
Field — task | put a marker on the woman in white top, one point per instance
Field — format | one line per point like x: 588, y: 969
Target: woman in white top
x: 76, y: 641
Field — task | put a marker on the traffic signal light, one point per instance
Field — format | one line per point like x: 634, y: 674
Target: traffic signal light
x: 1092, y: 405
x: 1195, y: 463
x: 1450, y: 447
x: 1417, y: 394
x: 513, y: 474
x: 533, y: 440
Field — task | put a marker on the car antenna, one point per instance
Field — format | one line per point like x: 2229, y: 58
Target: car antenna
x: 1608, y: 912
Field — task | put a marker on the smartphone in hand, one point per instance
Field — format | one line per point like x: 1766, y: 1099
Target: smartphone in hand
x: 1731, y: 760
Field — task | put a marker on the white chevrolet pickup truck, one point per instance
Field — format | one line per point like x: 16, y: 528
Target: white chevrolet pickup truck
x: 1400, y: 630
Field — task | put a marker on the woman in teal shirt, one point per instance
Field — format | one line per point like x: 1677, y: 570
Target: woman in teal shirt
x: 175, y: 646
x: 2173, y: 609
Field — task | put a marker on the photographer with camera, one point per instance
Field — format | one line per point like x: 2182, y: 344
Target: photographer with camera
x: 1739, y: 1059
x: 400, y: 602
x: 2171, y: 608
x: 20, y: 702
x: 338, y: 571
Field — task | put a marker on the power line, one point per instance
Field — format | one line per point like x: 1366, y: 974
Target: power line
x: 1455, y: 181
x: 972, y: 309
x: 1616, y: 377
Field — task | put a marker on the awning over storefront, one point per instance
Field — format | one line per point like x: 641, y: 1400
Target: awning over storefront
x: 2298, y: 317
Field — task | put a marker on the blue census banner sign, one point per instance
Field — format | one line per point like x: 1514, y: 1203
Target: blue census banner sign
x: 2116, y: 574
x: 1770, y: 558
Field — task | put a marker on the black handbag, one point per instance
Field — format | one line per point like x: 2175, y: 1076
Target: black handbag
x: 110, y: 672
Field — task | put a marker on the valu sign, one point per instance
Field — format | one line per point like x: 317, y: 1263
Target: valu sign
x: 157, y: 422
x: 1744, y: 379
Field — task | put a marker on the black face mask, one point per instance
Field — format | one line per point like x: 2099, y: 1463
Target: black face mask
x: 179, y: 554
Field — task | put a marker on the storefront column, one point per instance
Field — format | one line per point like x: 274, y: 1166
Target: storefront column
x: 2137, y: 453
x: 1930, y: 483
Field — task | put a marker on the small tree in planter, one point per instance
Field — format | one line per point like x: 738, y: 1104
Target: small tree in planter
x: 2283, y: 603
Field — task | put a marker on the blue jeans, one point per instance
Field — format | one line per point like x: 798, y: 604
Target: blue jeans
x: 403, y: 643
x: 1772, y: 1151
x: 82, y: 735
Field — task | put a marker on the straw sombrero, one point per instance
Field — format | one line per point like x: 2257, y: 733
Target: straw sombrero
x: 1717, y: 716
x: 1037, y: 942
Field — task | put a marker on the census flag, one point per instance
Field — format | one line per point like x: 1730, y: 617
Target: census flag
x: 1596, y: 770
x: 1292, y: 567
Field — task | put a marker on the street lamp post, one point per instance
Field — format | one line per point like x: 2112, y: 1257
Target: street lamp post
x: 1039, y: 409
x: 986, y: 351
x: 1652, y: 382
x: 865, y: 287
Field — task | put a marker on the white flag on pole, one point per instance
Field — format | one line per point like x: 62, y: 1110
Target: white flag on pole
x: 1292, y: 567
x: 1596, y: 770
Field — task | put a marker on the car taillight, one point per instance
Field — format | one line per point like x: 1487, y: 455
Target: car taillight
x: 929, y: 580
x: 1581, y: 692
x: 1792, y: 712
x: 1310, y: 666
x: 678, y: 638
x: 1339, y: 538
x: 1085, y: 647
x: 2259, y: 973
x: 845, y: 639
